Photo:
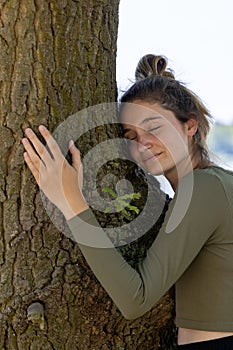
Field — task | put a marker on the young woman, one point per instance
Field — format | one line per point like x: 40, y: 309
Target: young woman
x: 166, y: 126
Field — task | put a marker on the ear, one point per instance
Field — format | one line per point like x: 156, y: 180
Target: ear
x: 191, y: 125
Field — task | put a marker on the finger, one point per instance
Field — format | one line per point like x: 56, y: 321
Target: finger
x: 39, y: 147
x: 32, y: 167
x: 50, y: 141
x: 76, y: 161
x: 34, y: 158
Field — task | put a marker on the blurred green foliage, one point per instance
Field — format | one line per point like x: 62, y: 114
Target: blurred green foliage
x: 220, y: 141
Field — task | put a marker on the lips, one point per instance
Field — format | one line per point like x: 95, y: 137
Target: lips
x: 152, y: 157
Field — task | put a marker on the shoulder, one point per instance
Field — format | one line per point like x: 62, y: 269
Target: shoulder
x: 202, y: 189
x: 200, y: 199
x: 202, y: 182
x: 215, y: 178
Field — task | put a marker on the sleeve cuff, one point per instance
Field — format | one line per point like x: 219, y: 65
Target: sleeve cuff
x: 86, y: 230
x: 86, y: 216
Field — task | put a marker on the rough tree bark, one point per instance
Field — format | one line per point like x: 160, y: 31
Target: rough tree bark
x: 56, y: 58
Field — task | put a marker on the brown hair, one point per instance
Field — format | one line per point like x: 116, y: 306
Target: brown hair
x: 156, y: 84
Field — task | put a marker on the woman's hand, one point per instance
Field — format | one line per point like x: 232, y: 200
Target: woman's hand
x: 60, y: 182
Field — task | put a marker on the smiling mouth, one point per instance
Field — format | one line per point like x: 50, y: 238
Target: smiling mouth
x: 152, y: 157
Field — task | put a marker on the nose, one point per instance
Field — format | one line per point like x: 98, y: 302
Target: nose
x: 143, y: 143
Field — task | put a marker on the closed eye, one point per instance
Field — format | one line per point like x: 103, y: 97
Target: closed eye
x: 130, y: 138
x: 154, y: 129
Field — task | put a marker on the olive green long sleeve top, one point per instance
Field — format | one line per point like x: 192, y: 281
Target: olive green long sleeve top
x: 194, y: 252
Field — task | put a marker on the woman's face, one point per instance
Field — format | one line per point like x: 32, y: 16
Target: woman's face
x: 157, y: 140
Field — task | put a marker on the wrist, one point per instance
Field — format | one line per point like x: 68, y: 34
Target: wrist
x: 73, y: 209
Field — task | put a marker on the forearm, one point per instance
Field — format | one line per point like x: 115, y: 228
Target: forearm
x: 121, y: 281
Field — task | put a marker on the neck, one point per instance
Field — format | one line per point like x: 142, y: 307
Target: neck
x: 174, y: 174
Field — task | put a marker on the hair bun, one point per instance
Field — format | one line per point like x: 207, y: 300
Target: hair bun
x: 150, y: 65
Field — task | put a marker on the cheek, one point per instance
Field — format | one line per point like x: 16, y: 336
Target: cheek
x: 173, y: 143
x: 133, y: 151
x: 174, y: 137
x: 177, y: 147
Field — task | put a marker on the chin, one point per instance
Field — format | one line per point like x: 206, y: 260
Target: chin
x: 153, y: 171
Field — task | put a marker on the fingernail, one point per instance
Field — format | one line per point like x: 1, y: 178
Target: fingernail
x: 71, y: 143
x: 24, y: 140
x: 28, y: 131
x: 42, y: 128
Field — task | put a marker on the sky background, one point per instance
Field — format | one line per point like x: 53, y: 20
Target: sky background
x: 195, y: 36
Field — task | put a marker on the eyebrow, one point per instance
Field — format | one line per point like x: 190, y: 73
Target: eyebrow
x: 144, y: 121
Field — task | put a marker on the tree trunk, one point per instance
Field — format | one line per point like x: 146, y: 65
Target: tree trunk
x: 58, y: 57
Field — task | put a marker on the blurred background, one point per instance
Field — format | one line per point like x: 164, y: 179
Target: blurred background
x: 196, y: 37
